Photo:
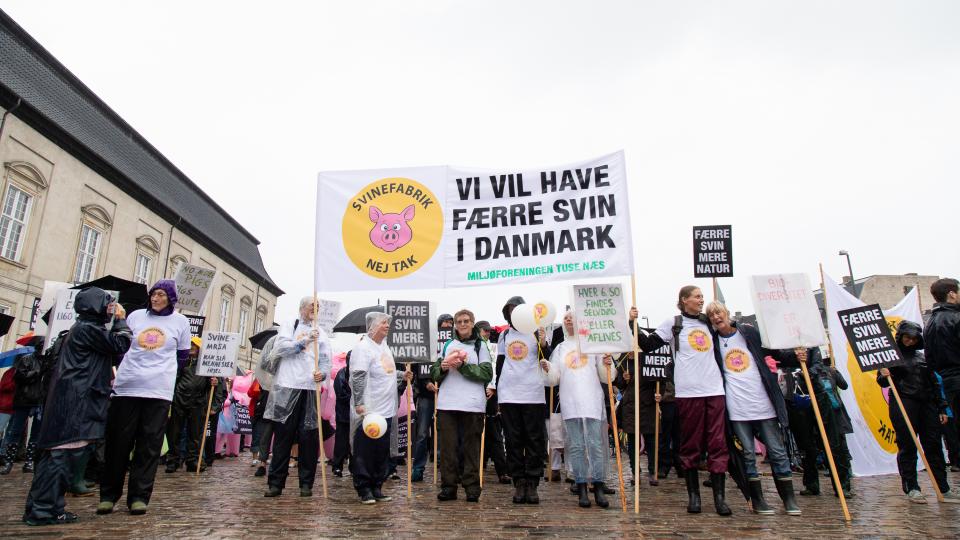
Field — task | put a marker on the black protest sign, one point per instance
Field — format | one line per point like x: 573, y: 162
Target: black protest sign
x: 713, y: 251
x: 244, y: 426
x: 423, y: 371
x: 657, y: 365
x: 869, y: 337
x: 443, y: 336
x: 401, y: 436
x: 409, y: 337
x: 196, y: 324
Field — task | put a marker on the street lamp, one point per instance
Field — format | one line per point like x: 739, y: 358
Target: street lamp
x: 844, y: 253
x: 646, y: 321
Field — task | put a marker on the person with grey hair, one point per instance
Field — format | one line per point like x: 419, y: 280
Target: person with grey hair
x: 374, y: 385
x: 302, y: 357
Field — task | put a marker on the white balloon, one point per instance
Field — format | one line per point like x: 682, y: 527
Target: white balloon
x: 523, y: 319
x: 545, y: 311
x: 374, y: 425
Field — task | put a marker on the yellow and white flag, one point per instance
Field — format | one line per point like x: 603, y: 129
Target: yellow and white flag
x: 873, y: 446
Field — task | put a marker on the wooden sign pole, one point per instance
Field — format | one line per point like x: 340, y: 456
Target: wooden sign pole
x: 656, y: 433
x: 636, y: 400
x: 206, y: 424
x: 409, y: 436
x: 316, y: 367
x: 483, y: 440
x: 616, y: 438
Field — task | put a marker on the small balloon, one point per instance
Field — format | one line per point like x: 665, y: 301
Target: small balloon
x: 523, y: 319
x: 545, y: 312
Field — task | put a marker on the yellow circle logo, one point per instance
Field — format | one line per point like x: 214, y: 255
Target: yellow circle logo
x: 737, y: 360
x: 517, y: 350
x: 699, y: 340
x: 573, y: 362
x: 372, y: 430
x: 386, y: 362
x: 151, y: 339
x: 392, y: 227
x: 873, y: 400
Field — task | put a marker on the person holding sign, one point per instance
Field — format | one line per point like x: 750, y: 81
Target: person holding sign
x: 926, y: 410
x: 292, y: 404
x: 581, y: 403
x: 755, y: 405
x: 464, y: 368
x: 374, y: 391
x: 701, y: 405
x: 520, y: 383
x: 75, y: 414
x: 189, y: 408
x: 142, y: 393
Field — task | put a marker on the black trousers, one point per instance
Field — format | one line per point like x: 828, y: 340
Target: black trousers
x: 266, y: 428
x: 460, y: 460
x: 493, y: 446
x: 926, y: 423
x: 50, y: 482
x: 209, y: 447
x: 341, y: 444
x: 193, y: 419
x: 668, y: 445
x: 294, y: 431
x: 952, y: 441
x: 133, y: 425
x: 525, y: 434
x: 803, y: 424
x: 371, y: 457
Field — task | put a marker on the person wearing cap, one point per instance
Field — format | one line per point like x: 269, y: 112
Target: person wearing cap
x: 375, y: 384
x: 189, y: 409
x: 140, y: 404
x: 75, y: 412
x: 304, y: 360
x: 920, y: 393
x: 519, y: 382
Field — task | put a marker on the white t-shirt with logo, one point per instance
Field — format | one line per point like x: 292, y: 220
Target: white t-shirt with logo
x: 580, y: 379
x: 380, y: 395
x: 521, y: 379
x: 149, y: 369
x: 458, y: 393
x: 695, y: 372
x: 747, y: 399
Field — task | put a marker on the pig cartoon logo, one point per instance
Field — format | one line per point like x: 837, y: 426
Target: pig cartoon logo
x: 392, y: 231
x: 737, y: 360
x: 699, y: 340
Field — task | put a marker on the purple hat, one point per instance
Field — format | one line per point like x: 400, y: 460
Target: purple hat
x: 168, y: 286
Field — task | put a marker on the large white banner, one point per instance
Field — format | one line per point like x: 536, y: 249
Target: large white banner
x: 435, y: 227
x: 873, y: 448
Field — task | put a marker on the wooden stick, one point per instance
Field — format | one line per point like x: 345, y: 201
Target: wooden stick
x: 316, y: 367
x: 636, y: 400
x: 436, y: 456
x: 616, y: 439
x: 824, y: 290
x: 916, y: 440
x: 206, y: 424
x: 483, y: 440
x: 656, y: 435
x: 409, y: 449
x: 714, y: 289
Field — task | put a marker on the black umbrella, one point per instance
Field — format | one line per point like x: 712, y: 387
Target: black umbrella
x: 5, y: 322
x: 258, y: 340
x: 355, y: 322
x: 133, y: 295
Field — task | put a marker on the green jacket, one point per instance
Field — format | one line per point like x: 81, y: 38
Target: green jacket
x: 481, y: 373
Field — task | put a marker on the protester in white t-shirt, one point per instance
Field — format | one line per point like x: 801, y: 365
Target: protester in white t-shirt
x: 755, y: 405
x: 142, y: 393
x: 304, y: 357
x: 580, y: 377
x: 701, y: 406
x: 463, y: 369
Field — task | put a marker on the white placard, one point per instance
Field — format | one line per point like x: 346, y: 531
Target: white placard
x: 601, y: 319
x: 328, y: 315
x: 786, y: 311
x: 63, y: 314
x: 193, y: 283
x: 218, y: 354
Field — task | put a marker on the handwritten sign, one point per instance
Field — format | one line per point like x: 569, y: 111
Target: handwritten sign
x: 328, y: 314
x: 409, y: 337
x: 869, y: 337
x: 64, y: 315
x: 601, y: 319
x: 218, y: 355
x: 193, y: 283
x: 786, y: 311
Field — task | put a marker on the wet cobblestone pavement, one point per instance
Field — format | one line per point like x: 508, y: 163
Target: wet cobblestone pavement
x: 227, y: 502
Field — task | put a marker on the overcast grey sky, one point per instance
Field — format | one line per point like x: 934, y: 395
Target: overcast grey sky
x: 810, y: 126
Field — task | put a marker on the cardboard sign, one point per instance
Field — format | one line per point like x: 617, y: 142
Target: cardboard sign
x: 869, y: 337
x: 601, y: 319
x: 713, y: 251
x: 787, y: 313
x: 64, y: 315
x: 328, y: 314
x: 196, y: 324
x: 218, y: 354
x: 193, y: 283
x: 657, y: 365
x: 410, y: 333
x: 443, y: 335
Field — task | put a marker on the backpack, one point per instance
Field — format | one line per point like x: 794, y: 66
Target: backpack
x: 270, y: 362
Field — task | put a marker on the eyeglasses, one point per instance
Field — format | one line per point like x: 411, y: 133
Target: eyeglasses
x: 464, y: 321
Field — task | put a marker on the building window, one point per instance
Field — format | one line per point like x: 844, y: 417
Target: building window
x: 13, y: 222
x: 175, y: 263
x: 87, y: 254
x: 225, y: 302
x: 258, y: 323
x: 244, y: 315
x: 142, y: 272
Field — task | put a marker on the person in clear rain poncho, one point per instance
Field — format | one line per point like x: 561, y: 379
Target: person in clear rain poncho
x: 292, y: 404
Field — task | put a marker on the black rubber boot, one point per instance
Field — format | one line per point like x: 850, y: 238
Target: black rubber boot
x: 28, y: 459
x: 520, y: 490
x: 78, y: 484
x: 693, y: 490
x: 785, y: 489
x: 532, y: 497
x: 718, y: 480
x: 584, y: 495
x: 599, y: 496
x: 8, y: 458
x: 760, y: 505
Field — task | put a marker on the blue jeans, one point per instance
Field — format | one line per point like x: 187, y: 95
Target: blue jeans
x: 768, y: 431
x: 586, y: 449
x: 18, y: 423
x: 423, y: 423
